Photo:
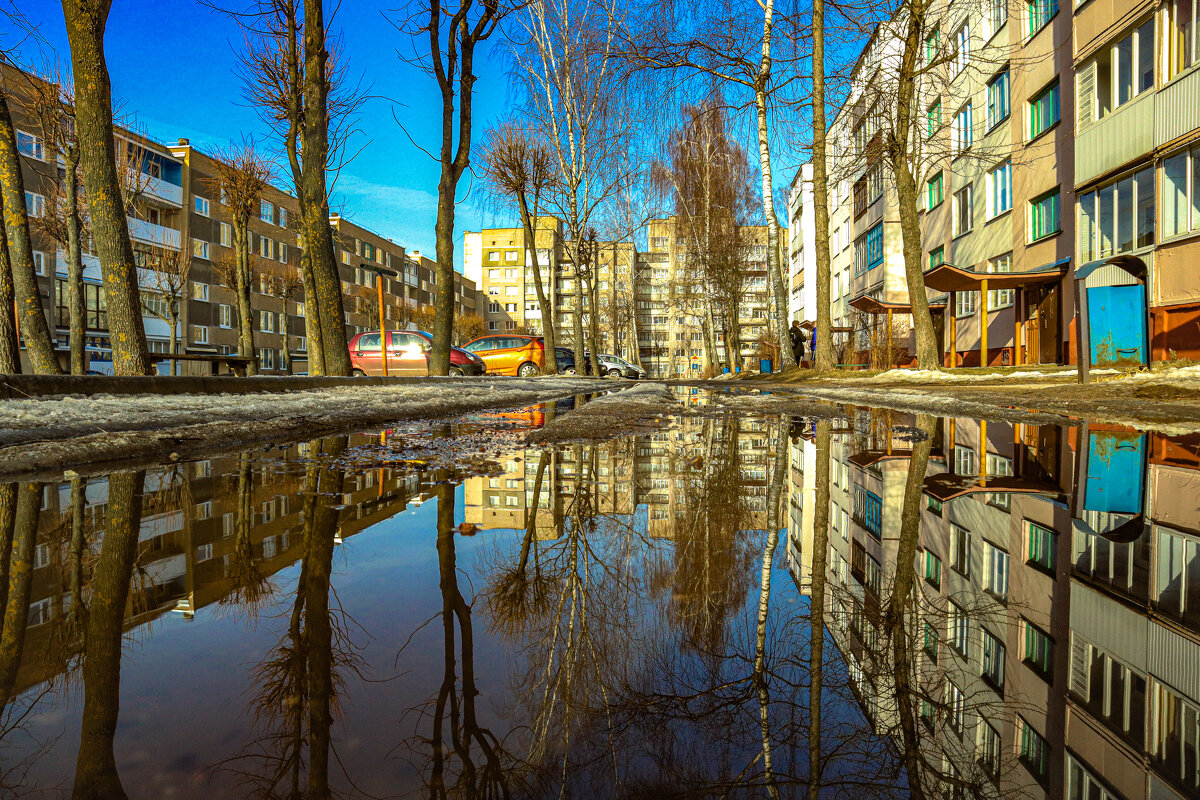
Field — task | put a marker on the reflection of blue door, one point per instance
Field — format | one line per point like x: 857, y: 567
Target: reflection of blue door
x: 1115, y: 472
x: 1117, y: 322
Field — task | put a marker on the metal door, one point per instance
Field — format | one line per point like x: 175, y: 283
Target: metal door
x: 1048, y: 325
x: 407, y: 355
x: 367, y: 354
x: 1117, y: 325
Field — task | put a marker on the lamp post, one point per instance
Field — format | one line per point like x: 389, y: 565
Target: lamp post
x: 383, y: 338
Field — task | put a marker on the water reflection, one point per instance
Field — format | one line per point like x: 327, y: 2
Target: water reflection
x: 737, y: 606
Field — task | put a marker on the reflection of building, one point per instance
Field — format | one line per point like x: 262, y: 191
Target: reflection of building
x: 1056, y: 579
x: 209, y: 529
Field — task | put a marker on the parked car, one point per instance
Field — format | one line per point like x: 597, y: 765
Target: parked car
x: 616, y: 367
x: 565, y: 360
x: 408, y: 354
x: 510, y: 354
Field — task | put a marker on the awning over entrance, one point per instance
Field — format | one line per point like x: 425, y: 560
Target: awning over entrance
x: 869, y: 305
x: 946, y: 486
x: 949, y: 278
x: 808, y: 325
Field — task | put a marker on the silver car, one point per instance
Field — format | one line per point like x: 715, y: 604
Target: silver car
x: 616, y: 367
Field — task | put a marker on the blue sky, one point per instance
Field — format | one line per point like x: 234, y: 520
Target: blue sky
x: 155, y: 46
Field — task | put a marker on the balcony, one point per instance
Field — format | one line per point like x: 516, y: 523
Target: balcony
x: 165, y: 192
x: 1176, y: 111
x: 1122, y: 136
x: 151, y: 234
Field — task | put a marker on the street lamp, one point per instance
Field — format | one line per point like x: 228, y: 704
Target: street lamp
x: 383, y: 339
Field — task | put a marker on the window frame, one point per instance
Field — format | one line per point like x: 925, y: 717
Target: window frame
x: 1054, y: 194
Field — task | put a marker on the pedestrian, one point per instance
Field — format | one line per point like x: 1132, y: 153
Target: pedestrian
x: 796, y: 336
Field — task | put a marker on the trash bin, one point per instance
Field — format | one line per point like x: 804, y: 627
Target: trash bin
x: 725, y: 370
x: 764, y: 366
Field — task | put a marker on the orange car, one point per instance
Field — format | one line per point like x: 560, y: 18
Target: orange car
x: 510, y: 354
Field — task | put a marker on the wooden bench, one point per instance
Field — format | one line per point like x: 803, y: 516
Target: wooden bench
x: 218, y: 364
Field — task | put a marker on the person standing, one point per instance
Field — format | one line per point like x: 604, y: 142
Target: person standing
x: 796, y: 336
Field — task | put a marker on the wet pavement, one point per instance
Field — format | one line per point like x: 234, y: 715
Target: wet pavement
x: 853, y: 603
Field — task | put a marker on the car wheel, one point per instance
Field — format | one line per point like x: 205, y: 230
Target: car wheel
x: 613, y: 373
x: 455, y: 372
x: 527, y: 370
x: 358, y: 373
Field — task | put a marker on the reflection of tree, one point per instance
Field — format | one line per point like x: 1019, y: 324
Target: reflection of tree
x: 300, y: 679
x: 19, y: 509
x: 455, y: 705
x: 820, y: 552
x: 249, y: 587
x: 96, y: 768
x: 712, y: 554
x: 515, y: 595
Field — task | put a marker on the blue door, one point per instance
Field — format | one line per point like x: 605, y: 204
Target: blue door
x: 1117, y: 322
x: 1115, y: 472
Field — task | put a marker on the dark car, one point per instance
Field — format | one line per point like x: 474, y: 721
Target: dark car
x: 565, y: 359
x: 408, y: 354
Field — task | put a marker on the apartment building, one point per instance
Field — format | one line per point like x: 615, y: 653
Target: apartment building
x: 500, y: 262
x: 802, y: 259
x: 177, y: 215
x: 802, y: 251
x: 1137, y: 127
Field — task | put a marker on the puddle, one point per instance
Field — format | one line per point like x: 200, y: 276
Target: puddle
x: 738, y: 605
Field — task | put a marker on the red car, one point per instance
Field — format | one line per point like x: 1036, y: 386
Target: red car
x: 408, y: 354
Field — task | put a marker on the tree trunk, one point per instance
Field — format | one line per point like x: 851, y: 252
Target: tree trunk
x: 635, y: 347
x: 774, y: 267
x: 174, y: 335
x: 312, y: 318
x: 906, y: 189
x: 241, y: 245
x: 823, y: 358
x: 38, y: 339
x: 314, y: 211
x: 577, y: 321
x: 549, y: 334
x: 10, y: 350
x: 818, y: 557
x: 96, y: 766
x: 23, y: 535
x: 97, y: 149
x: 75, y: 302
x: 593, y: 318
x: 8, y: 511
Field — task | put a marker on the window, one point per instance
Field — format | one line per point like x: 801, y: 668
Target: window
x: 959, y: 629
x: 1180, y: 210
x: 1182, y: 44
x: 35, y: 204
x: 956, y: 708
x: 1000, y: 298
x: 1038, y: 649
x: 224, y: 316
x: 998, y: 104
x: 993, y: 659
x: 1117, y: 217
x: 1175, y: 746
x: 1034, y: 752
x: 1040, y: 545
x: 997, y: 14
x: 933, y: 570
x: 493, y: 256
x: 266, y: 247
x: 266, y: 321
x: 31, y: 145
x: 930, y: 641
x: 1118, y: 74
x: 226, y: 234
x: 932, y: 42
x: 201, y: 205
x: 933, y: 118
x: 965, y: 462
x: 266, y: 358
x: 1044, y: 216
x: 511, y: 255
x: 39, y: 263
x: 1040, y: 13
x: 282, y: 252
x: 1045, y: 110
x: 935, y: 191
x: 964, y: 129
x: 960, y: 550
x: 281, y: 219
x: 995, y: 564
x: 868, y: 511
x: 962, y: 48
x: 199, y: 248
x: 868, y: 250
x: 937, y: 257
x: 990, y: 750
x: 999, y: 182
x: 266, y: 211
x: 964, y: 210
x: 200, y: 334
x: 1083, y: 785
x: 200, y: 291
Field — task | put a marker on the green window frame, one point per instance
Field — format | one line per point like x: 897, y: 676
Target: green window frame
x: 1039, y: 649
x: 933, y: 569
x: 1040, y: 12
x: 935, y: 190
x: 937, y: 257
x: 933, y: 118
x: 1045, y: 215
x: 932, y: 43
x: 1035, y: 752
x: 1040, y: 545
x: 930, y: 643
x: 1045, y: 110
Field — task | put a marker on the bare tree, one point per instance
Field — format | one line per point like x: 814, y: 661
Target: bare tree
x: 52, y: 101
x: 522, y: 168
x: 34, y: 328
x: 567, y: 63
x: 241, y: 175
x: 168, y: 271
x: 444, y: 41
x: 823, y: 357
x: 94, y: 123
x: 286, y: 283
